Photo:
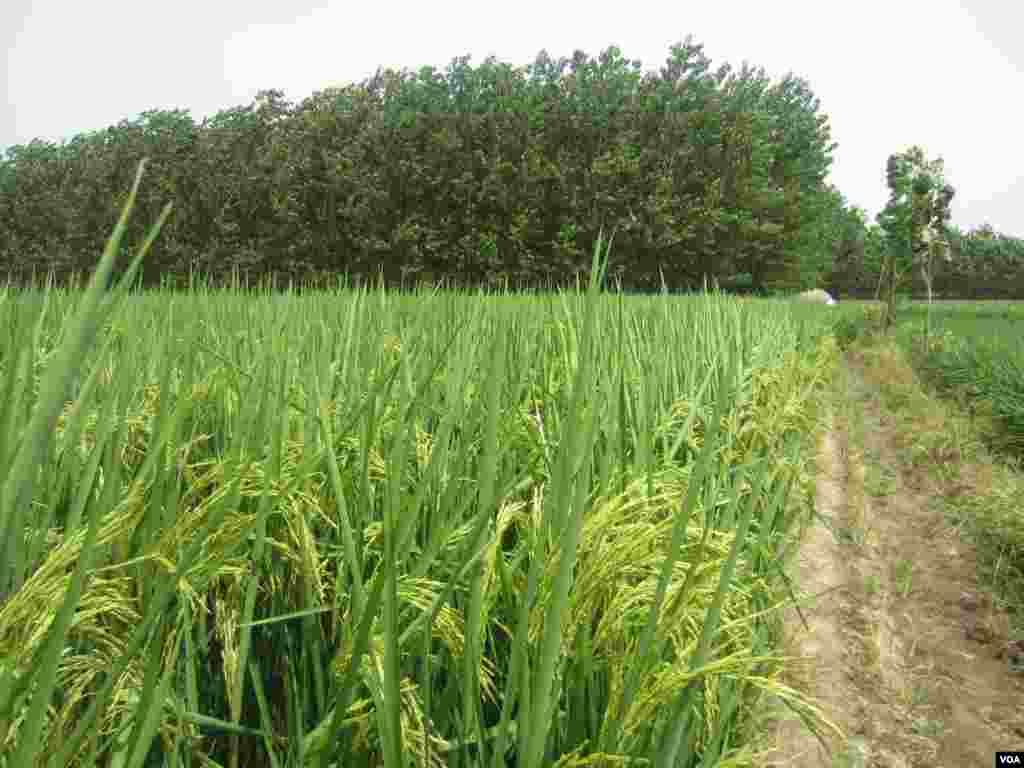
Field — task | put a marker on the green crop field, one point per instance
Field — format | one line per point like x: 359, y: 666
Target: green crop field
x: 364, y: 528
x: 976, y: 353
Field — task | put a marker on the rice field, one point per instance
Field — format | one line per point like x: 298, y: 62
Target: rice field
x: 976, y: 353
x: 362, y: 528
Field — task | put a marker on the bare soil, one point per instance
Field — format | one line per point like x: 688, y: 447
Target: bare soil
x: 905, y: 653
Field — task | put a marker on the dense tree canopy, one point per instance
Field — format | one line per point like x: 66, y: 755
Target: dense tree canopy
x: 473, y: 175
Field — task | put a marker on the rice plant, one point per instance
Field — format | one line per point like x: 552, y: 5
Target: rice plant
x: 360, y: 528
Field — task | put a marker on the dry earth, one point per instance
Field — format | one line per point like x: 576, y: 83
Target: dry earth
x: 906, y: 655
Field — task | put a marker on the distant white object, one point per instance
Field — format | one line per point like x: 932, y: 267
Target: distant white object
x: 817, y: 296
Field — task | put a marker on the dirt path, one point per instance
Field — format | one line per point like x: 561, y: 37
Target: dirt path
x: 906, y: 656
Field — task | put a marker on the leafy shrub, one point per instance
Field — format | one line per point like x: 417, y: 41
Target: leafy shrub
x: 848, y: 326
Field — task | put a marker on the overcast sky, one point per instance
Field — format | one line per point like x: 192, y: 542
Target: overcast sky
x: 946, y: 75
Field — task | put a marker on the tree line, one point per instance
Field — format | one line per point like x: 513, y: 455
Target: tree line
x: 475, y: 176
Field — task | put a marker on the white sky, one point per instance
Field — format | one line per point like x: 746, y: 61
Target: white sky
x: 946, y: 75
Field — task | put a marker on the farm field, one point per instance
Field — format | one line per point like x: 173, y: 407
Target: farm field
x: 998, y: 323
x: 363, y: 447
x: 266, y: 529
x: 441, y: 528
x: 276, y: 482
x: 976, y: 356
x: 991, y: 320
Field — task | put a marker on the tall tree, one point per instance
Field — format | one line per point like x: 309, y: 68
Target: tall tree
x: 913, y: 220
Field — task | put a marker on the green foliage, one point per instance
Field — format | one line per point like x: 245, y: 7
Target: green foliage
x: 978, y: 353
x: 701, y: 174
x: 914, y: 219
x: 982, y: 264
x: 364, y: 528
x: 988, y: 264
x: 849, y: 324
